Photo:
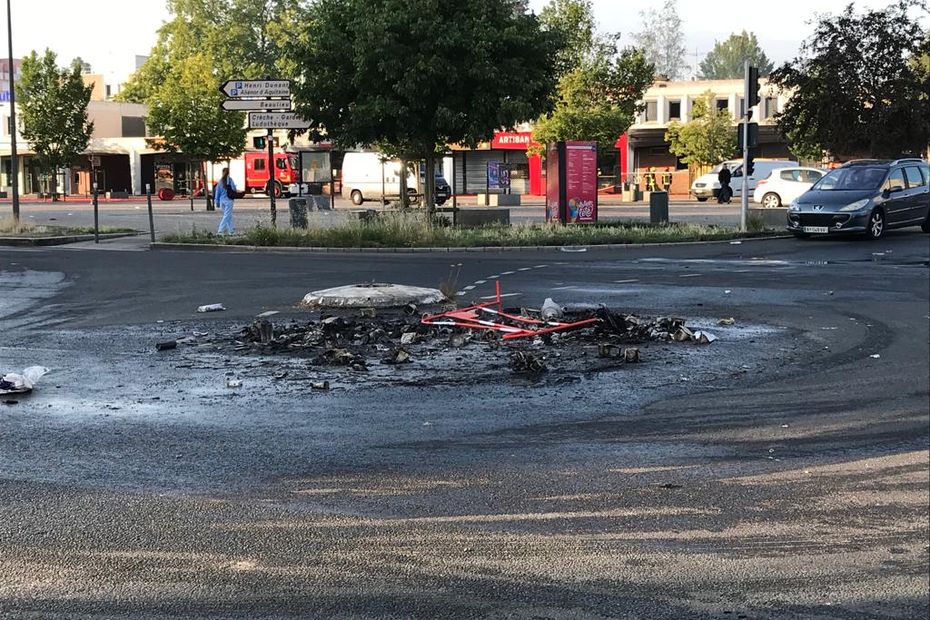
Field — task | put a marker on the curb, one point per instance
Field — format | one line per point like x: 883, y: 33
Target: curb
x: 63, y: 240
x: 208, y: 247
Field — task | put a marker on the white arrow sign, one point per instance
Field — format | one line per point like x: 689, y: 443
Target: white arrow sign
x: 276, y: 120
x: 256, y: 104
x: 256, y: 88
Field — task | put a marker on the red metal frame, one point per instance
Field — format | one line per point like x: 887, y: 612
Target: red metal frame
x: 469, y: 318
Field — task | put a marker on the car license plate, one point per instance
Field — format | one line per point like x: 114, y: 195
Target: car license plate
x: 816, y: 230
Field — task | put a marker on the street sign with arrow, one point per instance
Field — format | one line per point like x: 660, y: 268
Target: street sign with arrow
x: 256, y: 88
x: 256, y: 104
x: 276, y: 120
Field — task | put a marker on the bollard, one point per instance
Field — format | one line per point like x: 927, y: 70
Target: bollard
x: 658, y: 207
x: 148, y: 196
x: 96, y: 217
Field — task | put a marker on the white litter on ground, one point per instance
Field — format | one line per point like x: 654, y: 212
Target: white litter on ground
x: 22, y: 383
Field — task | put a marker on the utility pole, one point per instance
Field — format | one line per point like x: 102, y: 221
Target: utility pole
x: 14, y: 161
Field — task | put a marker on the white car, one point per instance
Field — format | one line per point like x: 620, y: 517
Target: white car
x: 706, y: 186
x: 782, y: 186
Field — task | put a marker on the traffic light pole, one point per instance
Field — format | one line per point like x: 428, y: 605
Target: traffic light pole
x: 744, y: 199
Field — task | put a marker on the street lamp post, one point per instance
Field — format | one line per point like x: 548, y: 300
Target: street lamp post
x: 14, y: 163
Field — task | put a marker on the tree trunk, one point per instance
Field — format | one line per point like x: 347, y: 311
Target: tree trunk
x: 430, y: 190
x: 404, y: 198
x: 53, y: 185
x: 206, y: 185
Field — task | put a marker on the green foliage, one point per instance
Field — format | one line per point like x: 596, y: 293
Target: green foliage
x: 417, y: 231
x: 708, y: 138
x: 204, y: 44
x: 663, y: 41
x: 599, y: 86
x: 185, y: 113
x: 597, y: 101
x: 855, y: 93
x: 575, y: 31
x: 53, y: 106
x: 412, y: 76
x: 725, y: 61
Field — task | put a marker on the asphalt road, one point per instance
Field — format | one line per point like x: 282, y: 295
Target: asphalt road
x: 780, y: 472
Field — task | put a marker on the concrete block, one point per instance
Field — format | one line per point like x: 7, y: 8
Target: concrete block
x: 471, y: 218
x: 499, y: 200
x: 771, y: 219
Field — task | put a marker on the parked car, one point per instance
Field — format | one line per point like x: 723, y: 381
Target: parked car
x: 783, y: 185
x: 707, y: 186
x: 865, y: 196
x: 368, y: 176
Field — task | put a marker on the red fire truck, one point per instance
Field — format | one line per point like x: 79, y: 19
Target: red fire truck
x: 250, y: 172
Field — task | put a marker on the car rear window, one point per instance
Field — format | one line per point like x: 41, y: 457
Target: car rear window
x: 851, y: 179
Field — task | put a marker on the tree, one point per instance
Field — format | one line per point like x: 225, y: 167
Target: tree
x: 53, y: 104
x: 726, y: 60
x: 600, y: 86
x: 662, y: 40
x: 410, y: 77
x: 240, y: 37
x: 856, y: 88
x: 708, y: 138
x: 204, y: 44
x: 572, y: 25
x: 186, y: 116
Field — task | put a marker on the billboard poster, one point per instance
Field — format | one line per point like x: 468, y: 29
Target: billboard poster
x: 581, y: 182
x: 553, y: 187
x: 494, y: 171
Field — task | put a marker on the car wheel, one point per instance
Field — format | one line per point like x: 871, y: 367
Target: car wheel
x: 357, y: 198
x: 701, y: 198
x: 876, y: 226
x: 771, y: 200
x: 926, y: 225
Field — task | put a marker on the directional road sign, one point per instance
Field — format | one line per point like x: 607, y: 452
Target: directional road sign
x: 256, y: 104
x: 256, y: 88
x: 276, y: 120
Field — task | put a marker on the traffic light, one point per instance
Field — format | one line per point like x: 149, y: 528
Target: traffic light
x: 259, y: 142
x: 750, y: 164
x: 752, y: 90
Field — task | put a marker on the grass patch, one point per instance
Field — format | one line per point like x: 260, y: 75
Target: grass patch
x: 11, y: 228
x: 415, y: 231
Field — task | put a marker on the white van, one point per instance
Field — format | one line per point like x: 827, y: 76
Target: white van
x: 707, y: 186
x: 367, y: 176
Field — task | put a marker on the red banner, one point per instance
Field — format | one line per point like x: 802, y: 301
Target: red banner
x: 512, y: 140
x: 581, y: 181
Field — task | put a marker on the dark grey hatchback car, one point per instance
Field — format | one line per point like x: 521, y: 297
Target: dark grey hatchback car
x: 865, y: 196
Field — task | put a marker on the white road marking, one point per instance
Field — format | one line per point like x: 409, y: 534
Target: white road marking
x: 479, y: 282
x: 525, y: 269
x: 626, y: 281
x: 690, y: 275
x: 491, y: 297
x: 508, y: 273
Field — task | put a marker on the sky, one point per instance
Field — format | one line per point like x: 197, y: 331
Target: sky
x: 110, y: 33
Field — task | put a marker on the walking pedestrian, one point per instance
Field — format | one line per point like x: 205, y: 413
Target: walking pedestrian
x: 224, y: 195
x: 726, y: 192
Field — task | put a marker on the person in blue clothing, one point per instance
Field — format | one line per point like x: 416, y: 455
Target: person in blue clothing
x: 224, y: 195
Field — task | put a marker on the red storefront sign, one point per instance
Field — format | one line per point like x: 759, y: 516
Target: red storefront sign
x: 512, y: 140
x: 581, y: 181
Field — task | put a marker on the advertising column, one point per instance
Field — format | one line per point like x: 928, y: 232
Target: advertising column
x: 581, y: 182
